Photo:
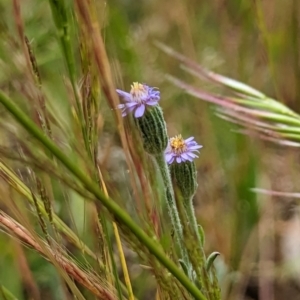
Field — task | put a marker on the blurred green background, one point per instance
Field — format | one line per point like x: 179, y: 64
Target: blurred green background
x: 256, y: 42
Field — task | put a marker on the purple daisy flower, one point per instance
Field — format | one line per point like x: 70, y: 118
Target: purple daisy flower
x: 181, y: 150
x: 140, y: 96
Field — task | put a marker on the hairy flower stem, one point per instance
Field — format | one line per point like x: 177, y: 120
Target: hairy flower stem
x: 171, y: 203
x: 190, y: 212
x: 189, y: 208
x: 196, y: 269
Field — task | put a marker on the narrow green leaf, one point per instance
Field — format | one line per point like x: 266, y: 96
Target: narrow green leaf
x: 210, y: 260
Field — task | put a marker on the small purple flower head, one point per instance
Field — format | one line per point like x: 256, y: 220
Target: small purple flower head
x: 139, y: 97
x: 181, y: 150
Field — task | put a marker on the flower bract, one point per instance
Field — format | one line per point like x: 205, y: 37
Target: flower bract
x: 137, y: 100
x: 181, y: 150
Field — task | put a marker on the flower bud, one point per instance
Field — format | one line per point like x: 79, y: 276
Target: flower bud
x: 184, y: 175
x: 152, y: 128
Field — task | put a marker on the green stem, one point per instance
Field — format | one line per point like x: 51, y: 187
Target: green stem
x: 61, y: 20
x: 171, y: 203
x: 204, y: 276
x: 92, y: 187
x: 189, y: 208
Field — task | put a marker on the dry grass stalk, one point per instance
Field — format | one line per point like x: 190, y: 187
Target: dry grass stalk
x: 88, y: 280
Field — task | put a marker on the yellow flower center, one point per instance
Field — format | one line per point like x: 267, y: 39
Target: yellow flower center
x: 178, y: 144
x: 138, y: 91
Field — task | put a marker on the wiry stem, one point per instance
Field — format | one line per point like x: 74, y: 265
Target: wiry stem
x: 209, y: 286
x: 170, y: 199
x: 196, y: 269
x: 189, y: 208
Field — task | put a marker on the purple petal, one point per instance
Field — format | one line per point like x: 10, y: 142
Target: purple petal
x: 191, y: 154
x: 121, y: 106
x: 127, y: 110
x: 178, y: 159
x: 139, y: 111
x: 184, y: 156
x: 151, y: 102
x: 171, y: 160
x: 131, y: 104
x: 131, y: 109
x: 155, y: 97
x: 195, y: 147
x: 168, y: 156
x: 153, y: 93
x: 192, y: 143
x: 126, y: 96
x: 189, y: 139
